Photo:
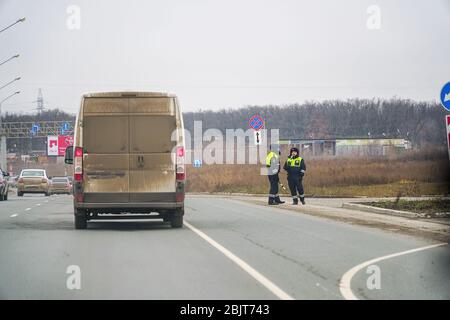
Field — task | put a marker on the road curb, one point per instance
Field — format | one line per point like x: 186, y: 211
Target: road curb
x: 265, y: 195
x: 397, y: 213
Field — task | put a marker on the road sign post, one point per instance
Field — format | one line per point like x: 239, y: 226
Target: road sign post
x: 257, y: 137
x: 256, y: 123
x: 447, y: 122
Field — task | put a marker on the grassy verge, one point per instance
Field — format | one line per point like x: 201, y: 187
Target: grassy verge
x: 377, y: 177
x: 418, y: 206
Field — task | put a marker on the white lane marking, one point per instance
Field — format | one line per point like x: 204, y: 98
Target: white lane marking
x: 14, y: 215
x: 345, y: 283
x: 38, y: 204
x: 27, y: 209
x: 242, y: 264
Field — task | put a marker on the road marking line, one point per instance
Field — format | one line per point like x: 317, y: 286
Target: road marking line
x: 27, y: 209
x: 242, y: 264
x: 14, y: 215
x: 345, y: 283
x: 38, y: 204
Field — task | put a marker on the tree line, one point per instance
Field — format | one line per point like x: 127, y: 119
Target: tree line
x: 422, y: 123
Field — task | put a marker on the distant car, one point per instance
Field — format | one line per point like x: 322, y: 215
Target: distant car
x: 13, y: 181
x: 4, y: 186
x: 60, y: 185
x: 33, y: 181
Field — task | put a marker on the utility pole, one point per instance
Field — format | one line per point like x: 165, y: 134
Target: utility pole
x: 40, y: 102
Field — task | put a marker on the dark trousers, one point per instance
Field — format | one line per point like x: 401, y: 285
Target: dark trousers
x: 273, y: 180
x: 296, y: 186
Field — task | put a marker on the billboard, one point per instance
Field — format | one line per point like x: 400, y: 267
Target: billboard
x: 63, y: 143
x: 56, y: 145
x: 52, y: 145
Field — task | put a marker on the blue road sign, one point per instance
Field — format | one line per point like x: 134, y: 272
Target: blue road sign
x: 34, y: 128
x: 197, y: 163
x: 445, y: 96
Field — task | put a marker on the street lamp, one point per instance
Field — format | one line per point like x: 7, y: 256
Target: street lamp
x: 2, y: 137
x: 8, y: 97
x: 16, y: 79
x: 13, y: 57
x: 20, y: 20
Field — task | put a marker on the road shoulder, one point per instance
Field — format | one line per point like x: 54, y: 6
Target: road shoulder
x: 329, y: 210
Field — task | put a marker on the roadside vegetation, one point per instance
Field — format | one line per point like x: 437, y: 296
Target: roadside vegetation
x: 415, y: 173
x: 428, y: 206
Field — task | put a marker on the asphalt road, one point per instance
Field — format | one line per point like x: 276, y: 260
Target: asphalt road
x: 228, y: 249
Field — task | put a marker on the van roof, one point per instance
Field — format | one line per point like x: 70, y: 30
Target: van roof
x: 120, y: 94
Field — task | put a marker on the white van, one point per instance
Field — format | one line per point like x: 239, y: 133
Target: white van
x: 128, y: 157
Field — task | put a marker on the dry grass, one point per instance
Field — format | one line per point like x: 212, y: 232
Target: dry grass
x: 411, y: 174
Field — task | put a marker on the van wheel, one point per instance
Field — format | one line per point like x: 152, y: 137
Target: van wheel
x: 80, y: 220
x: 2, y: 197
x: 5, y: 197
x: 176, y: 221
x: 47, y: 194
x: 20, y: 194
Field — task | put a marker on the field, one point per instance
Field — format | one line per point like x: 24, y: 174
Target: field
x: 416, y: 173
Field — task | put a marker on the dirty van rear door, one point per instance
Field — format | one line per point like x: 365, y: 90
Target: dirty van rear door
x: 106, y: 150
x: 152, y: 168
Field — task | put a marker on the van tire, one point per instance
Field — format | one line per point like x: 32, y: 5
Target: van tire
x: 176, y: 220
x: 20, y: 194
x: 80, y: 220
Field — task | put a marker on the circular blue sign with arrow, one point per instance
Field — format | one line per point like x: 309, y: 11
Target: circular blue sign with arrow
x: 445, y: 96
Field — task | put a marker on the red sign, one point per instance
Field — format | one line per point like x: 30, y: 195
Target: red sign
x: 63, y: 143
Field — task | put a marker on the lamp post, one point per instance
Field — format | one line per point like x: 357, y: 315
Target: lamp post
x: 16, y: 79
x: 13, y: 57
x: 20, y: 20
x: 2, y: 136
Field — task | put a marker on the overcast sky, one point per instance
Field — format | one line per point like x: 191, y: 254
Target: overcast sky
x: 220, y: 54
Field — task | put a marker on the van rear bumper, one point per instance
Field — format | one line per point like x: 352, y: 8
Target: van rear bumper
x: 142, y: 205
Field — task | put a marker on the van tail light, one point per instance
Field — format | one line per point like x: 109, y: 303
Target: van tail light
x: 179, y: 197
x: 180, y: 172
x: 78, y: 164
x: 44, y: 180
x: 79, y: 197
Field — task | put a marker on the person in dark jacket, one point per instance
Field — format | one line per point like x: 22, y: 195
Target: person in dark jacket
x: 273, y: 166
x: 296, y: 169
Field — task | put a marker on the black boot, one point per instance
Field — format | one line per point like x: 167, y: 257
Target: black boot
x: 295, y: 201
x: 278, y: 200
x: 302, y: 200
x: 272, y: 201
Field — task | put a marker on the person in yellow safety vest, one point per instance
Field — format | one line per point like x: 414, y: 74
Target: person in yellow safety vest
x: 296, y: 169
x: 273, y: 165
